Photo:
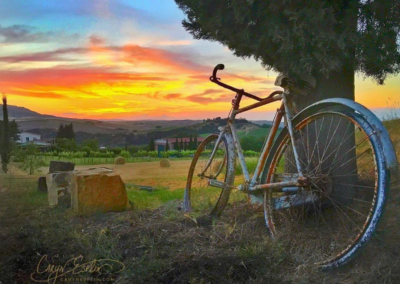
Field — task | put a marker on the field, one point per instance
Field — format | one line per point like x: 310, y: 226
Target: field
x: 158, y: 243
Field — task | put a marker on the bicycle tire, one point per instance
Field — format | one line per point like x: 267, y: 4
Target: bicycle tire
x: 377, y: 202
x: 225, y: 173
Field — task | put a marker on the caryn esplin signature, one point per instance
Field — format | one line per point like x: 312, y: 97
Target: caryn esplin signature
x: 47, y: 272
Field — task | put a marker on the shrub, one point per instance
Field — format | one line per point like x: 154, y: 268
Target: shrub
x: 164, y: 163
x: 86, y: 149
x: 116, y: 150
x: 120, y: 161
x: 125, y: 154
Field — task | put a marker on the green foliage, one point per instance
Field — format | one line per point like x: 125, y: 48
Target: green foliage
x: 151, y: 145
x: 125, y: 154
x: 116, y: 150
x: 252, y: 143
x: 66, y: 132
x: 92, y: 144
x: 30, y: 158
x: 303, y: 36
x: 64, y: 144
x: 87, y: 150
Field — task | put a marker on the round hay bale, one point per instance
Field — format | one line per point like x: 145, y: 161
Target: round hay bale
x: 120, y: 161
x: 164, y: 163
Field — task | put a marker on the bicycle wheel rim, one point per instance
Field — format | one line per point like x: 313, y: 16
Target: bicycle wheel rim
x: 201, y: 198
x: 339, y: 254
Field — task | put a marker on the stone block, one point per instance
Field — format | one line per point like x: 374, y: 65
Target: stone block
x: 59, y: 166
x: 42, y: 185
x: 97, y: 190
x: 58, y: 188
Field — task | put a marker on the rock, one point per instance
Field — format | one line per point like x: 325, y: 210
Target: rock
x: 97, y: 190
x: 42, y: 185
x: 120, y: 161
x: 58, y: 187
x: 164, y: 163
x: 59, y: 166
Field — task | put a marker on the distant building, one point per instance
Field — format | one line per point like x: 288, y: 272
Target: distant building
x: 161, y: 144
x: 26, y: 137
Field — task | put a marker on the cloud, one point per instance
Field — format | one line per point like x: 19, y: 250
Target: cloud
x: 136, y: 54
x: 204, y: 98
x: 96, y: 40
x: 172, y: 96
x: 38, y: 94
x: 70, y: 78
x: 48, y: 56
x: 28, y: 34
x: 183, y: 62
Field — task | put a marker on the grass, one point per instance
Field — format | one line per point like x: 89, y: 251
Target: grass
x: 258, y: 132
x: 158, y: 243
x: 143, y: 199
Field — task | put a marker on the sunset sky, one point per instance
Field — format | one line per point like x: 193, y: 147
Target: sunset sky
x: 120, y: 59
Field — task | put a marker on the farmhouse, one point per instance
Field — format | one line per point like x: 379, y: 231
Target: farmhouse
x: 161, y: 144
x: 25, y: 137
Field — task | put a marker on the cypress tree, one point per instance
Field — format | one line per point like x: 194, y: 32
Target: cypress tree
x: 195, y: 142
x: 182, y: 147
x: 191, y: 142
x: 5, y: 152
x: 61, y: 132
x: 152, y: 146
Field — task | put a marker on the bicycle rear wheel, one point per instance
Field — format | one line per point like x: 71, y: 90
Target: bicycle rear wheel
x: 331, y: 219
x: 200, y: 198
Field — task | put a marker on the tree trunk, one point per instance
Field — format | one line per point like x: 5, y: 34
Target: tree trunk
x: 338, y: 85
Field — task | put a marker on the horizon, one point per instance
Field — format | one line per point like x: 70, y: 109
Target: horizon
x: 130, y: 61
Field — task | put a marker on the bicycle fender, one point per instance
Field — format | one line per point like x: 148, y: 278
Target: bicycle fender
x: 383, y: 136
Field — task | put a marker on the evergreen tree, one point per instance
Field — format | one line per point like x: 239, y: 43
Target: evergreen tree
x: 191, y: 142
x: 182, y: 147
x: 5, y: 151
x: 61, y: 132
x: 167, y: 146
x: 177, y: 144
x: 14, y: 130
x: 195, y: 142
x: 69, y: 131
x: 330, y: 40
x: 152, y: 146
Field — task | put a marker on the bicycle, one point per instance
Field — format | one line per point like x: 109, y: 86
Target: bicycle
x: 323, y: 178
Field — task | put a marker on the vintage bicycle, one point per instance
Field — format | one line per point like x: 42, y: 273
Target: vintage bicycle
x: 323, y: 178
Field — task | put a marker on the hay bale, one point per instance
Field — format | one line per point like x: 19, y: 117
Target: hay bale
x: 164, y: 163
x: 120, y: 161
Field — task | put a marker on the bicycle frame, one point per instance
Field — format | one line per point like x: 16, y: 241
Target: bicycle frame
x: 251, y: 184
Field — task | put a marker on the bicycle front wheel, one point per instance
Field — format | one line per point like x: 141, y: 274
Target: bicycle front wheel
x: 200, y: 197
x: 328, y: 221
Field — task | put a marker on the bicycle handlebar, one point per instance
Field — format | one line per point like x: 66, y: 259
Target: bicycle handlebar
x: 217, y: 81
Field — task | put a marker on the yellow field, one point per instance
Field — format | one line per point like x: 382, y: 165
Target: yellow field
x: 151, y: 174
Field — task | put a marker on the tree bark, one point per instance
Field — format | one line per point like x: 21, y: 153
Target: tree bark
x: 338, y: 85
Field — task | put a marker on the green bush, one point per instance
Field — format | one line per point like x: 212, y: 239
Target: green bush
x: 87, y: 150
x: 125, y: 154
x: 117, y: 151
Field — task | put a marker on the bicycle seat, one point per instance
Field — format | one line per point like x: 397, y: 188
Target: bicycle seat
x: 301, y: 84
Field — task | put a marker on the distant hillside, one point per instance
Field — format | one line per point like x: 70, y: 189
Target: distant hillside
x: 21, y: 112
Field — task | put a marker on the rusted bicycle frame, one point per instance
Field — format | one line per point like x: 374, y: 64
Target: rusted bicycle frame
x: 251, y: 184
